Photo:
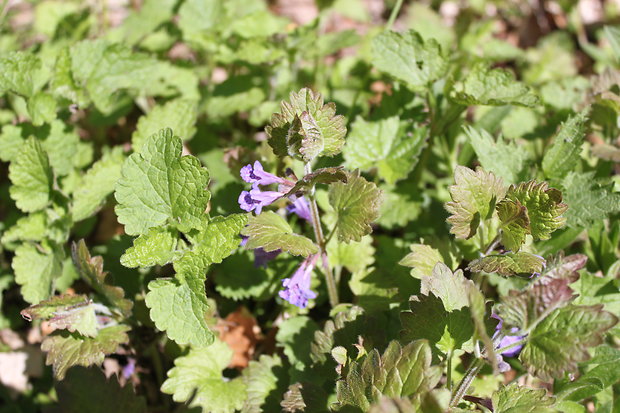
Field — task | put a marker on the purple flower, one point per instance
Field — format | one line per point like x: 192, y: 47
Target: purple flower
x: 262, y: 257
x: 256, y: 175
x: 297, y: 288
x: 255, y: 199
x: 507, y: 339
x: 301, y: 207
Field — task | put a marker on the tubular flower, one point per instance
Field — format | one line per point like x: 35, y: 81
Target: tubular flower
x: 256, y: 175
x: 301, y: 207
x: 255, y: 199
x: 297, y: 288
x: 507, y: 340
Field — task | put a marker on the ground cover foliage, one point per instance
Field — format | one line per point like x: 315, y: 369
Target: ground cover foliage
x: 346, y: 205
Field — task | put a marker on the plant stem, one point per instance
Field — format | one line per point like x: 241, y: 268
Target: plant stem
x: 332, y: 290
x: 394, y: 14
x: 449, y: 372
x: 464, y: 384
x: 492, y: 245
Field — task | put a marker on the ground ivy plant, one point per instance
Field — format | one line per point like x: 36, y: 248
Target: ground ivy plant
x: 214, y: 207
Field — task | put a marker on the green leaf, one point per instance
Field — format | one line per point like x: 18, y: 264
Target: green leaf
x: 65, y: 349
x: 156, y: 247
x: 261, y: 380
x: 515, y: 223
x: 562, y: 339
x: 409, y: 58
x: 42, y: 108
x: 31, y: 177
x: 526, y: 308
x: 509, y: 264
x: 295, y: 336
x: 220, y: 238
x: 516, y: 399
x: 485, y: 86
x: 388, y: 145
x: 88, y: 390
x: 91, y: 271
x: 588, y: 201
x: 544, y: 207
x: 428, y: 319
x: 506, y: 160
x: 613, y: 37
x: 422, y: 260
x: 73, y: 312
x: 323, y: 131
x: 179, y: 305
x: 97, y: 184
x: 178, y: 115
x: 604, y: 372
x: 35, y: 270
x: 356, y: 204
x: 198, y: 376
x: 270, y: 232
x: 103, y: 70
x: 198, y: 17
x: 320, y: 176
x: 160, y: 186
x: 354, y: 256
x: 32, y: 227
x: 447, y: 286
x: 399, y: 372
x: 336, y: 329
x: 473, y: 200
x: 563, y: 154
x: 20, y: 73
x: 11, y: 142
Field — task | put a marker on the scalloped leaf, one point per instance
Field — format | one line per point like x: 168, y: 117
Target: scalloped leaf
x: 91, y: 271
x: 356, y: 204
x: 561, y: 340
x: 514, y: 398
x: 447, y: 286
x: 486, y: 86
x: 65, y: 349
x: 31, y: 177
x: 71, y: 312
x: 179, y: 115
x: 589, y: 201
x: 409, y: 58
x: 220, y: 238
x: 544, y: 208
x: 261, y: 380
x: 422, y: 259
x: 473, y: 200
x: 97, y: 184
x: 515, y: 223
x: 398, y: 372
x: 271, y: 232
x: 156, y: 247
x: 509, y: 264
x: 305, y: 127
x: 179, y: 305
x: 35, y: 270
x: 526, y: 308
x: 388, y: 144
x: 198, y: 377
x: 563, y: 154
x: 158, y: 186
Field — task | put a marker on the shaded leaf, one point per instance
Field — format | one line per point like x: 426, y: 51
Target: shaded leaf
x: 588, y: 201
x: 65, y: 349
x: 271, y: 232
x: 356, y: 204
x: 31, y: 177
x: 178, y: 115
x: 509, y: 264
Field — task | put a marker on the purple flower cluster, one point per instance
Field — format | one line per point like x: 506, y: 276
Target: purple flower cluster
x: 297, y: 288
x: 506, y: 341
x: 255, y: 199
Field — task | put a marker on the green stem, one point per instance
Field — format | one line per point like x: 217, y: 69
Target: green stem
x: 332, y: 290
x: 449, y: 372
x: 394, y: 14
x: 464, y: 384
